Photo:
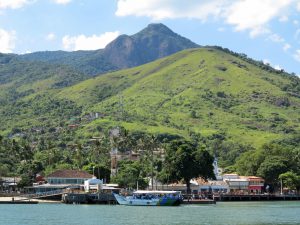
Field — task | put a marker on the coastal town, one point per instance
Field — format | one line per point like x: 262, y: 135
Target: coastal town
x: 80, y: 187
x: 164, y: 112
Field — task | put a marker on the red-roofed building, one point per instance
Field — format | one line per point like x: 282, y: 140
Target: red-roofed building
x: 60, y: 180
x: 256, y: 184
x: 68, y: 177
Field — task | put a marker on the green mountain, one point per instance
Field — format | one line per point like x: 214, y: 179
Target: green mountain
x: 235, y: 103
x: 207, y: 91
x: 153, y: 42
x: 90, y: 63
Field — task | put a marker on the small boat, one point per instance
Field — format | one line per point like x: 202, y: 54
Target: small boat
x: 151, y: 198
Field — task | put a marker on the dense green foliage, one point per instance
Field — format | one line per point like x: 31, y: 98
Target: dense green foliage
x: 240, y: 110
x: 290, y: 180
x: 185, y: 161
x: 90, y: 63
x: 272, y: 160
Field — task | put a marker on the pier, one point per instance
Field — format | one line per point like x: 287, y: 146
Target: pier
x: 264, y: 197
x: 198, y: 201
x: 18, y: 202
x: 84, y: 198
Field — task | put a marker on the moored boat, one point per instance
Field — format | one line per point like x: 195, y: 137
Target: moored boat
x: 151, y: 198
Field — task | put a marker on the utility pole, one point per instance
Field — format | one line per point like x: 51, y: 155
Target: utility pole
x: 152, y: 165
x: 281, y: 188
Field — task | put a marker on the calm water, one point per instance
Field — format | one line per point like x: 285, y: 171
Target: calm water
x: 241, y: 213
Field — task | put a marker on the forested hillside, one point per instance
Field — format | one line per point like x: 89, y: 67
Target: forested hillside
x: 236, y: 108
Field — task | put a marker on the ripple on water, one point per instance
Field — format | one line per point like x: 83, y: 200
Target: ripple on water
x: 233, y: 213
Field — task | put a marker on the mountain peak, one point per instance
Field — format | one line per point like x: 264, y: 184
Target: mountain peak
x: 153, y: 42
x: 159, y: 28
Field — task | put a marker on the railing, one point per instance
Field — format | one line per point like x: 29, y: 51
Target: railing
x: 44, y: 194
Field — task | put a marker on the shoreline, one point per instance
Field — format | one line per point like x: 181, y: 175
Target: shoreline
x: 17, y: 199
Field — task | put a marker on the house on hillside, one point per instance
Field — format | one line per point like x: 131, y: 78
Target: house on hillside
x: 116, y: 156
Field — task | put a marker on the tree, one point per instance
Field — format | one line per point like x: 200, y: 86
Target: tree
x: 101, y: 171
x: 290, y: 180
x: 249, y: 162
x: 149, y: 144
x: 120, y: 139
x: 28, y: 171
x: 185, y: 161
x: 272, y: 167
x: 130, y: 172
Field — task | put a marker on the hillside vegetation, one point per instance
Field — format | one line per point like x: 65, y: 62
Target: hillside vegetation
x: 206, y: 91
x: 240, y: 110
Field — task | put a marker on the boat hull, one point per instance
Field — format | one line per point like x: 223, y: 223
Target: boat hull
x: 146, y: 202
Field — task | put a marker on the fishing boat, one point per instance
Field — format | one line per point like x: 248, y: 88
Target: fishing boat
x: 151, y: 198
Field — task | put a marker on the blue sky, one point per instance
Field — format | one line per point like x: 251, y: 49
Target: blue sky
x: 267, y: 30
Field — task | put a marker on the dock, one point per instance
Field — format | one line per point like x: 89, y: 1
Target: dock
x: 88, y: 198
x: 198, y: 201
x: 16, y: 200
x: 263, y: 197
x: 19, y: 202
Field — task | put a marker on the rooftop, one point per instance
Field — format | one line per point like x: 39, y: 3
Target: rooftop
x: 70, y: 174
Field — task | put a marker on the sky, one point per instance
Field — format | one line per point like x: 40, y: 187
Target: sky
x: 266, y: 30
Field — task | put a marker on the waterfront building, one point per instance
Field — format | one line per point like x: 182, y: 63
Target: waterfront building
x: 256, y: 184
x: 73, y: 177
x: 9, y: 184
x: 212, y: 186
x: 61, y: 179
x: 237, y: 184
x: 93, y: 184
x: 244, y: 184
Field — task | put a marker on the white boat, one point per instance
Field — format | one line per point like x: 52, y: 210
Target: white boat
x: 151, y: 198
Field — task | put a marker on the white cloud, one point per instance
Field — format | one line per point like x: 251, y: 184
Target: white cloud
x: 62, y: 2
x: 251, y: 15
x: 13, y: 4
x: 266, y: 62
x: 50, y: 37
x: 276, y: 38
x: 283, y: 19
x: 297, y: 55
x: 26, y: 52
x: 254, y: 32
x: 7, y: 41
x: 296, y: 22
x: 286, y: 47
x: 82, y: 42
x: 255, y: 14
x: 277, y: 67
x: 164, y: 9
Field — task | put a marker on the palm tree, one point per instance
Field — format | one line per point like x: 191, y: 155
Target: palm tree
x: 148, y: 145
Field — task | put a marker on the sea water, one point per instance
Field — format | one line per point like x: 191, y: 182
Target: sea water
x: 223, y: 213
